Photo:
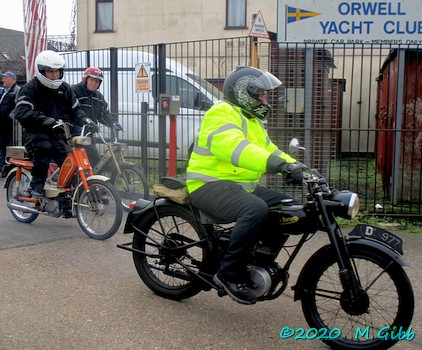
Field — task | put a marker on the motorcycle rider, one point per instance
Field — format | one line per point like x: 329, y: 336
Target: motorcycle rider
x: 94, y: 105
x: 231, y: 152
x: 41, y: 103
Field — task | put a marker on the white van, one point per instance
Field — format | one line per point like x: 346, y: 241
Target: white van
x: 196, y: 96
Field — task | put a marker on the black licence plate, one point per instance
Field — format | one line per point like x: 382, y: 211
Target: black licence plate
x: 380, y: 235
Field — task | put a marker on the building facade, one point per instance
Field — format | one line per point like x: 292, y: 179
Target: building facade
x: 109, y: 23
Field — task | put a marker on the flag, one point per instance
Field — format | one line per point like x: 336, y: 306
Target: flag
x: 296, y: 14
x: 35, y: 21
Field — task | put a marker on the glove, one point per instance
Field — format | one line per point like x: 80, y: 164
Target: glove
x: 50, y: 123
x: 93, y: 125
x: 117, y: 126
x: 294, y: 173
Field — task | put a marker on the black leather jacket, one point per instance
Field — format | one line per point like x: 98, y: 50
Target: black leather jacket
x: 93, y: 104
x: 36, y: 103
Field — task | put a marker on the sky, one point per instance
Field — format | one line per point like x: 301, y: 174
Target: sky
x: 58, y: 16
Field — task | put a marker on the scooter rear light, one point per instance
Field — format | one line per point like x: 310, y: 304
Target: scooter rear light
x: 132, y: 204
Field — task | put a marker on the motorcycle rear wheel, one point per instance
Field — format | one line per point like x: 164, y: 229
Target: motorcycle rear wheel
x: 13, y: 191
x: 166, y: 271
x: 131, y: 184
x: 99, y: 210
x: 388, y: 301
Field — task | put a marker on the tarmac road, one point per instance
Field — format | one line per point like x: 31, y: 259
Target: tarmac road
x: 63, y: 290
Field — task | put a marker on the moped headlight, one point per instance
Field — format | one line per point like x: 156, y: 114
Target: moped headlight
x: 347, y: 204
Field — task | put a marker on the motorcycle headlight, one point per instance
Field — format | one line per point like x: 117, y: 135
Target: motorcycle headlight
x: 346, y: 204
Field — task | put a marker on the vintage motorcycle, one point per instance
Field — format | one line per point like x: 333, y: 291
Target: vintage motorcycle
x: 70, y: 191
x: 354, y: 291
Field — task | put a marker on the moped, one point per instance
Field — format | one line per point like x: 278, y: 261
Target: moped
x: 129, y: 180
x: 354, y: 291
x: 70, y: 191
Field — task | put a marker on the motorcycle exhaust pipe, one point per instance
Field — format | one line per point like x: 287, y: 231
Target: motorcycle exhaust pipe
x: 23, y: 208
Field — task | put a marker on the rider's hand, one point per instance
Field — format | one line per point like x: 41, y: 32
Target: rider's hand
x: 93, y: 125
x: 51, y: 124
x: 293, y: 172
x: 117, y: 126
x: 49, y: 121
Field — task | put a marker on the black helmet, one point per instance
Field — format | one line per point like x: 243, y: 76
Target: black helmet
x: 242, y: 87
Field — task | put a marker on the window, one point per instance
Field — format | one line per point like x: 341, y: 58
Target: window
x: 104, y: 16
x: 235, y: 13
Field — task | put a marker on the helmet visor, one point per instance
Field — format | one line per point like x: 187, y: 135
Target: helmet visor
x: 264, y: 82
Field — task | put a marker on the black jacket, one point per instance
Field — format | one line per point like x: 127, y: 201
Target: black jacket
x: 7, y: 104
x: 36, y: 103
x: 93, y: 104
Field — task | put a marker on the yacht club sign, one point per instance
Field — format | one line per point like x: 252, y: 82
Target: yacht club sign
x: 347, y: 21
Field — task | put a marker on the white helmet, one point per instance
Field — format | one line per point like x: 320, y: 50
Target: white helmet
x: 49, y: 60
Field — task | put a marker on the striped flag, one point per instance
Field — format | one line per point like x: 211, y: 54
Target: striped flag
x: 296, y: 14
x: 35, y: 20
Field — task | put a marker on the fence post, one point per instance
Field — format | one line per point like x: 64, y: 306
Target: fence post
x: 162, y: 144
x: 114, y: 98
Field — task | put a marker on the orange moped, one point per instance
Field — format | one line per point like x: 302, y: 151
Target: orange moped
x: 70, y: 191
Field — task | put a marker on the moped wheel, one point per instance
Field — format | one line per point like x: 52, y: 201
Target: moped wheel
x: 170, y: 252
x: 99, y: 210
x: 377, y: 320
x: 23, y: 190
x: 131, y: 184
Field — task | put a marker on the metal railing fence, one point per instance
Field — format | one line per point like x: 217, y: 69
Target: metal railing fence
x: 356, y: 108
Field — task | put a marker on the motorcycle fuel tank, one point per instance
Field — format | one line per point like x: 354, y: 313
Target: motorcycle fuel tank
x: 290, y: 219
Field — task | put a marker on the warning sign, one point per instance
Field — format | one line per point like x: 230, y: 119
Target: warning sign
x: 142, y: 71
x: 259, y: 29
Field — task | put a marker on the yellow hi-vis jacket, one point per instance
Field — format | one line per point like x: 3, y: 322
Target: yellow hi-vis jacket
x: 230, y: 146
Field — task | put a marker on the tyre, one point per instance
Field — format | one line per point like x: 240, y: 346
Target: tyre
x: 131, y: 184
x: 23, y: 190
x: 387, y: 301
x: 166, y: 271
x: 99, y: 210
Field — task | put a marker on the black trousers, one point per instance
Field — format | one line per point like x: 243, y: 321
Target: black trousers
x: 228, y: 201
x: 43, y: 149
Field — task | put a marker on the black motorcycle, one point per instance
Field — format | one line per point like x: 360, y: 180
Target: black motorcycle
x: 354, y: 291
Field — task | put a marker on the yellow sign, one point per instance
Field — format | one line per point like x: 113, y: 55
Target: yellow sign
x: 142, y: 83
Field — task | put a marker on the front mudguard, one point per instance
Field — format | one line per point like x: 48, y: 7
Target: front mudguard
x: 143, y: 207
x: 359, y: 243
x: 79, y: 188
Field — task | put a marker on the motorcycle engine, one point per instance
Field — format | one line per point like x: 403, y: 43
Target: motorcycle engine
x: 51, y: 206
x: 261, y: 278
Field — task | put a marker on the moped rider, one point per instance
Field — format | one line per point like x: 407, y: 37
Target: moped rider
x: 94, y: 105
x: 231, y: 152
x: 41, y: 103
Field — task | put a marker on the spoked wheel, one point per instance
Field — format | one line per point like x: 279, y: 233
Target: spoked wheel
x: 99, y: 210
x: 13, y: 191
x: 384, y: 308
x: 173, y: 250
x: 131, y: 184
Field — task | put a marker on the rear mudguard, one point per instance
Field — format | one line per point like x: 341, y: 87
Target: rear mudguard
x: 144, y: 206
x: 12, y: 172
x: 360, y: 243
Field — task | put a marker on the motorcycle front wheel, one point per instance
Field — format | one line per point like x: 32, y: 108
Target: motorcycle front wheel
x: 14, y: 191
x: 131, y: 184
x: 99, y: 210
x: 380, y: 317
x: 169, y: 251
